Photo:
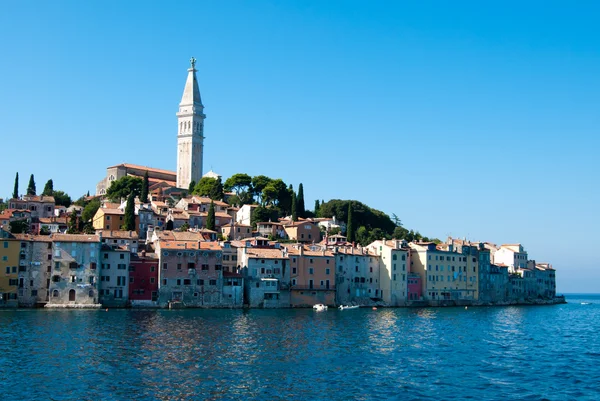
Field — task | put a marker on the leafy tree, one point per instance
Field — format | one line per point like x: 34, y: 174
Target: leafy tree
x: 48, y: 188
x: 61, y: 198
x: 3, y: 206
x: 363, y: 214
x: 191, y: 186
x: 44, y: 230
x: 300, y: 201
x: 259, y: 183
x: 72, y: 225
x: 317, y: 205
x: 234, y: 200
x: 90, y: 209
x: 350, y: 224
x: 208, y: 186
x: 88, y: 228
x: 210, y: 219
x: 31, y: 186
x: 145, y: 188
x: 276, y: 193
x: 264, y: 214
x: 185, y: 226
x: 294, y: 207
x: 361, y: 236
x: 129, y: 223
x: 400, y: 233
x: 121, y: 188
x: 334, y: 230
x: 241, y: 184
x: 16, y: 189
x: 18, y: 227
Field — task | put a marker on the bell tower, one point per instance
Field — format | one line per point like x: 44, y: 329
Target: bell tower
x: 190, y: 131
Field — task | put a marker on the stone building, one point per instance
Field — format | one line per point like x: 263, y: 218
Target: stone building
x: 312, y: 275
x: 113, y: 275
x: 74, y: 278
x: 266, y: 275
x: 35, y: 269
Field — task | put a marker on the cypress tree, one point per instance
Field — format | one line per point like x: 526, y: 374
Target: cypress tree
x: 48, y: 188
x: 72, y: 224
x: 31, y: 186
x: 16, y: 190
x: 191, y: 186
x: 129, y: 224
x: 145, y: 188
x: 210, y: 219
x: 317, y: 207
x: 350, y: 224
x: 294, y: 207
x: 300, y: 199
x: 88, y: 193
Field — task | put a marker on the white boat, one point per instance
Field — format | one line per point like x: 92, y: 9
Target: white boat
x: 319, y: 307
x: 342, y: 307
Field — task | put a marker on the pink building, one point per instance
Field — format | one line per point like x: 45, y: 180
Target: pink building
x: 414, y: 287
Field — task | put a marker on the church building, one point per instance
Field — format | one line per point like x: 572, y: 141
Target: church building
x: 190, y: 145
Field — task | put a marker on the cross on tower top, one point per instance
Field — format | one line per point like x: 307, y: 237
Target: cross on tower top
x: 193, y: 62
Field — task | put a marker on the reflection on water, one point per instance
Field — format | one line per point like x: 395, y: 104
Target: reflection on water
x: 300, y: 354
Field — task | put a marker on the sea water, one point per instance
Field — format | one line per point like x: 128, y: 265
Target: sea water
x: 482, y: 353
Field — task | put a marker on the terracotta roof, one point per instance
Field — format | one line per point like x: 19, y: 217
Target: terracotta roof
x: 270, y: 223
x: 35, y: 198
x: 118, y: 234
x: 34, y: 238
x: 180, y: 236
x: 292, y: 250
x: 53, y: 220
x: 136, y: 166
x: 75, y: 238
x: 260, y: 253
x: 223, y: 215
x: 179, y: 245
x: 112, y: 211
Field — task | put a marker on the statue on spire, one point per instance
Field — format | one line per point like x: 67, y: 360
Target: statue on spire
x: 193, y: 62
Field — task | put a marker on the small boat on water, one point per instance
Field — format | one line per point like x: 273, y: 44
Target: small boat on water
x: 319, y: 307
x: 342, y: 307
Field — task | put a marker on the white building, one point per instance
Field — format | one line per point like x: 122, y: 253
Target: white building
x: 190, y: 133
x: 512, y: 255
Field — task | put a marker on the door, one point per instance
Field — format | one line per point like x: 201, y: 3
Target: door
x: 72, y: 295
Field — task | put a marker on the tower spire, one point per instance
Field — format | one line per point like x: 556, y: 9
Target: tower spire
x: 190, y: 134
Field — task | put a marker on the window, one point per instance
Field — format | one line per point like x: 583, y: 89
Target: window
x: 121, y: 256
x: 106, y: 256
x: 131, y: 279
x: 122, y: 266
x: 187, y: 281
x: 164, y: 266
x: 310, y: 270
x: 327, y: 271
x: 200, y: 282
x: 204, y: 267
x: 394, y: 277
x: 294, y: 270
x: 212, y: 282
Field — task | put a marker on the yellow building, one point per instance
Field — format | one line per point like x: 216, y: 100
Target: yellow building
x: 111, y: 219
x: 9, y: 267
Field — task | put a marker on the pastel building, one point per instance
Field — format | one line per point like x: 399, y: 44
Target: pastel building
x: 394, y: 259
x: 353, y: 275
x: 312, y: 275
x: 512, y: 255
x: 191, y: 273
x: 10, y: 260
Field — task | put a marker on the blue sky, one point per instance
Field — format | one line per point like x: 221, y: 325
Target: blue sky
x: 463, y: 118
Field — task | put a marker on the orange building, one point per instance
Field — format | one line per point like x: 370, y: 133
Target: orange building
x: 312, y: 275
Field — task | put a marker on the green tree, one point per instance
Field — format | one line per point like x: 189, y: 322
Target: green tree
x: 145, y: 188
x: 317, y: 205
x: 300, y: 201
x: 90, y: 209
x: 18, y: 227
x: 88, y: 228
x: 72, y: 225
x: 262, y: 213
x: 16, y: 188
x: 259, y: 183
x: 399, y: 233
x: 48, y: 188
x: 31, y: 186
x: 216, y: 192
x: 396, y: 219
x: 123, y: 187
x: 294, y: 207
x: 210, y: 218
x: 185, y: 226
x: 363, y: 215
x: 61, y: 198
x: 129, y: 223
x: 350, y: 224
x: 241, y: 184
x: 44, y: 230
x: 191, y: 186
x: 208, y: 186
